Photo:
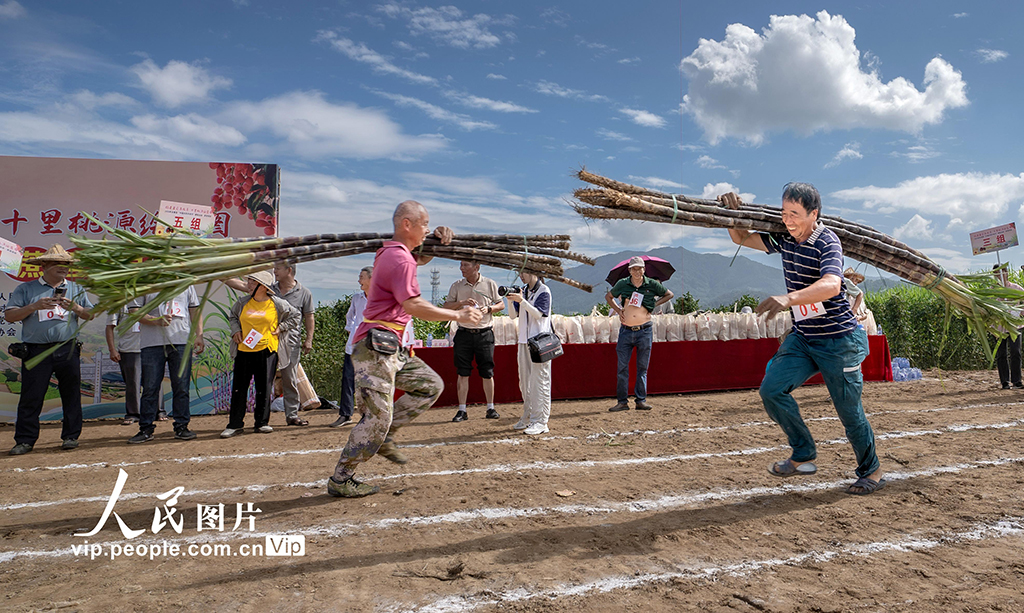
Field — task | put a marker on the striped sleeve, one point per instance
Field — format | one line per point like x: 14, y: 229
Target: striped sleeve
x: 831, y: 256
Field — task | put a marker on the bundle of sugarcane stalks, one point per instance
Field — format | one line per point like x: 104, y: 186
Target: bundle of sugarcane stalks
x: 119, y: 270
x: 987, y: 306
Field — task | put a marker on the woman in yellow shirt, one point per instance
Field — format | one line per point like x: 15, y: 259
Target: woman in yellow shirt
x: 256, y: 324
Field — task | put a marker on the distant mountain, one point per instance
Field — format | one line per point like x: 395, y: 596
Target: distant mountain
x: 707, y: 276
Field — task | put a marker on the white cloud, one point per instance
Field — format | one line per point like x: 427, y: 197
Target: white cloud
x: 404, y: 46
x: 609, y: 135
x: 496, y: 77
x: 476, y: 102
x: 916, y: 154
x: 656, y: 182
x: 951, y: 259
x: 314, y: 127
x: 582, y: 42
x: 644, y: 118
x: 848, y: 152
x: 960, y: 15
x: 629, y: 60
x: 976, y: 197
x: 89, y: 100
x: 992, y: 55
x: 706, y: 161
x: 917, y: 228
x: 448, y: 25
x: 178, y: 83
x: 50, y: 132
x: 554, y: 89
x: 804, y: 74
x: 714, y: 190
x: 463, y: 121
x: 190, y: 127
x: 11, y: 10
x: 556, y: 17
x: 363, y: 54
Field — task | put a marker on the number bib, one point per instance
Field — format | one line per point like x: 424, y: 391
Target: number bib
x: 252, y: 340
x: 637, y: 299
x: 174, y: 309
x: 808, y: 311
x: 57, y: 313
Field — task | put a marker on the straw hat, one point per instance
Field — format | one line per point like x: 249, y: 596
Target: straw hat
x: 54, y: 255
x: 264, y: 278
x: 853, y: 275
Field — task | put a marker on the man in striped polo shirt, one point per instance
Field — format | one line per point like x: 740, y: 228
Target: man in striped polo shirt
x: 825, y: 337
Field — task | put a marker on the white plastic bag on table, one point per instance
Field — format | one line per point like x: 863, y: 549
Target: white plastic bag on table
x: 762, y: 326
x: 589, y: 330
x: 573, y: 330
x: 602, y: 325
x: 750, y: 322
x: 727, y: 332
x: 558, y: 328
x: 498, y: 329
x: 715, y: 325
x: 660, y: 328
x: 674, y: 333
x: 704, y: 327
x: 613, y: 328
x: 689, y: 327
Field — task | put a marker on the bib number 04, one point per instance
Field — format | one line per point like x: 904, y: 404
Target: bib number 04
x: 808, y: 311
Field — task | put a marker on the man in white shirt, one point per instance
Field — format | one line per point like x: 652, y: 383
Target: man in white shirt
x: 353, y: 317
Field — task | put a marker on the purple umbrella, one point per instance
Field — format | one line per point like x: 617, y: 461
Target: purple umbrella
x: 655, y: 268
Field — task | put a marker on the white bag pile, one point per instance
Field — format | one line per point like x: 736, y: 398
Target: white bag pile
x: 706, y: 326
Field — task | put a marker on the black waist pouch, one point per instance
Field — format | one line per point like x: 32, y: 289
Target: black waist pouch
x: 18, y: 350
x: 383, y: 341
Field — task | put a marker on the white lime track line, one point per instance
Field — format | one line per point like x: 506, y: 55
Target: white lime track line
x: 529, y: 466
x: 503, y: 441
x: 1008, y: 527
x: 661, y: 503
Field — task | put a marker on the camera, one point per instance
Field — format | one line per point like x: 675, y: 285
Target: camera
x: 58, y: 292
x: 505, y: 290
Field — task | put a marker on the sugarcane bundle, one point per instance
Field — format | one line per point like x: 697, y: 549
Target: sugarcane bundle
x: 987, y: 306
x: 118, y: 270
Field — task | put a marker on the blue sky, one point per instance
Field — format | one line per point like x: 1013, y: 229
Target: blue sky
x: 901, y: 113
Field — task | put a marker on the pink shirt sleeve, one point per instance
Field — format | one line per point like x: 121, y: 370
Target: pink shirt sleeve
x: 403, y: 282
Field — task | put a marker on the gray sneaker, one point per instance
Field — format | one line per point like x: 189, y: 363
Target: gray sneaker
x: 184, y: 434
x: 20, y: 449
x: 390, y: 451
x: 341, y: 421
x: 69, y: 444
x: 350, y: 488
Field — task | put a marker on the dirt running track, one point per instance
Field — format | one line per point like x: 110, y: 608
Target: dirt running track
x: 671, y: 510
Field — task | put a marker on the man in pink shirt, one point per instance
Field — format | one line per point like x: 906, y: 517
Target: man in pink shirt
x: 381, y: 361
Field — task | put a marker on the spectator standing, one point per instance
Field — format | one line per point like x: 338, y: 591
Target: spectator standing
x: 258, y: 323
x: 1008, y: 352
x: 49, y: 308
x: 291, y: 343
x: 353, y: 317
x: 638, y: 295
x: 474, y: 341
x: 533, y: 308
x: 164, y: 334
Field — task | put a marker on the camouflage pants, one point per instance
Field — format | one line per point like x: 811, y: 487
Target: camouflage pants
x: 377, y: 376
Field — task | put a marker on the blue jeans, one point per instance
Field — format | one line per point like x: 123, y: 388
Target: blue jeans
x: 838, y: 360
x: 347, y: 404
x: 153, y: 361
x: 628, y: 339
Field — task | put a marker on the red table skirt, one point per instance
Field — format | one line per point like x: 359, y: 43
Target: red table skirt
x: 588, y: 370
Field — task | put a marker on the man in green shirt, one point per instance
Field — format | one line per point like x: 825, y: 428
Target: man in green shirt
x: 638, y: 295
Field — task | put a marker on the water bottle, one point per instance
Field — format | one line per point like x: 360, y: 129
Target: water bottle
x: 430, y: 340
x: 880, y: 331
